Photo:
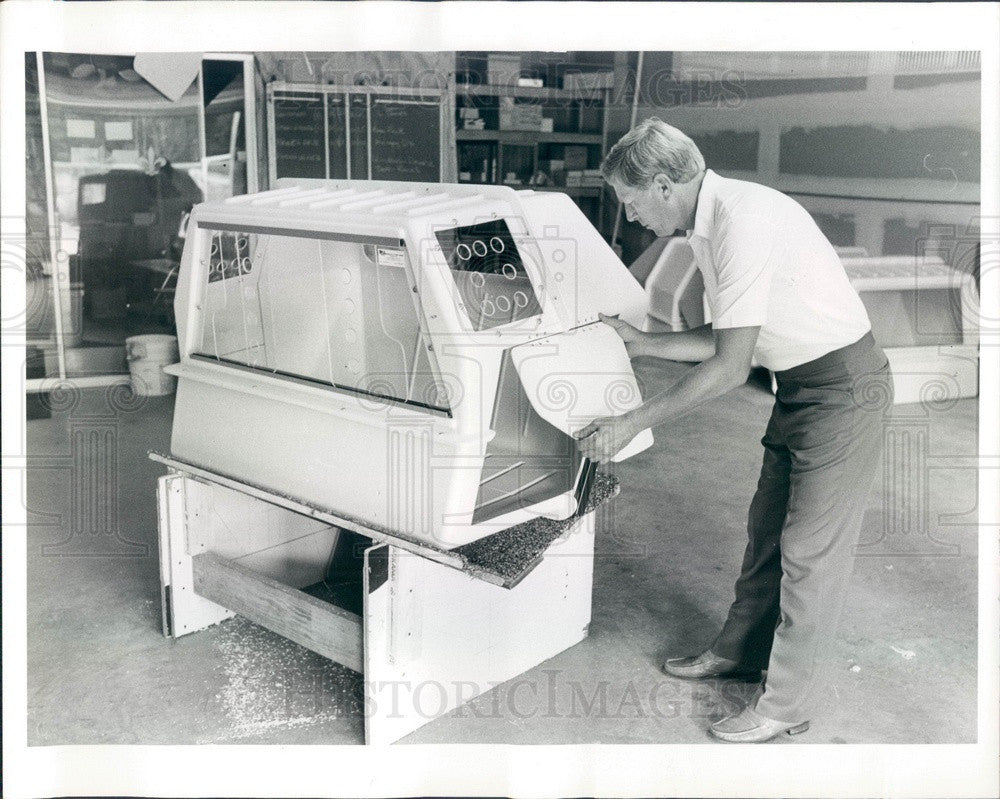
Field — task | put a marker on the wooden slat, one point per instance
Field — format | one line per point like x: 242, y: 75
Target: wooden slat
x: 324, y: 628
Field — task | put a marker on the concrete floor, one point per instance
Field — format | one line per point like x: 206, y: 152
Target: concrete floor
x: 903, y: 667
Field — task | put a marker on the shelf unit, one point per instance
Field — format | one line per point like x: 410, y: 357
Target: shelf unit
x: 523, y: 158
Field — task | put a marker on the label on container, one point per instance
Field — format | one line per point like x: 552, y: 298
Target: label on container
x: 390, y: 256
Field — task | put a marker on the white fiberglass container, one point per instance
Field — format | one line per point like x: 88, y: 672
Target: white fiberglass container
x: 414, y: 356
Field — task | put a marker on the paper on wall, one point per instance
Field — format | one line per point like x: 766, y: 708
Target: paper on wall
x: 120, y: 130
x: 80, y: 129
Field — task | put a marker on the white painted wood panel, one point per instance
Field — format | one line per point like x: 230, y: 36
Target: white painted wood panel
x: 435, y: 637
x: 286, y: 546
x: 185, y: 611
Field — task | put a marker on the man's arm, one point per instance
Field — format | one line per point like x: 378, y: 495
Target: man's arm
x: 694, y: 345
x: 721, y: 372
x: 697, y: 344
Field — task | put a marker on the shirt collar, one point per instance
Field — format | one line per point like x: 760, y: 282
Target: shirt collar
x: 704, y: 215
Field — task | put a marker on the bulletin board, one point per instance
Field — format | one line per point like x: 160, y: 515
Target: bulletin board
x: 358, y: 132
x: 948, y: 153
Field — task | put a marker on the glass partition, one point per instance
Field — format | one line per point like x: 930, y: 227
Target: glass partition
x: 314, y: 307
x: 124, y: 162
x: 113, y: 168
x: 224, y: 161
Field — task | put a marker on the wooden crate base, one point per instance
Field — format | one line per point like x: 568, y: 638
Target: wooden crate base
x: 432, y: 628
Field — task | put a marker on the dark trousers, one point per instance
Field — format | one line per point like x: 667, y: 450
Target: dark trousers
x: 822, y: 450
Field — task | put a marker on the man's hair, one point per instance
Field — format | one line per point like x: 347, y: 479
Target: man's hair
x: 651, y: 147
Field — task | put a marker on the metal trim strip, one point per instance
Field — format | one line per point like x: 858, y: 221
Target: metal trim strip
x: 354, y: 238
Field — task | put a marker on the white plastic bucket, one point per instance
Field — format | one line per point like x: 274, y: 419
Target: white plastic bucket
x: 147, y: 355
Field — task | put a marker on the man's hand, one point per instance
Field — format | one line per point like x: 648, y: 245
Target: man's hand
x: 605, y: 437
x: 632, y: 336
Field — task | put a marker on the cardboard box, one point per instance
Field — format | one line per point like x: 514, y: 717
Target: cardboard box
x: 579, y: 177
x: 519, y: 116
x: 527, y: 109
x: 468, y: 113
x: 503, y: 69
x: 510, y: 121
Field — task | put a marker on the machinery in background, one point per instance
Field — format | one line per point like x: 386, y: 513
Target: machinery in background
x: 128, y: 218
x: 673, y: 283
x: 924, y: 310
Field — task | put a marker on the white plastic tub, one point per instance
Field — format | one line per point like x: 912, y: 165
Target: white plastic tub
x: 147, y: 355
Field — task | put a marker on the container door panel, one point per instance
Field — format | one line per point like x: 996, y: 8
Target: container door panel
x: 574, y: 377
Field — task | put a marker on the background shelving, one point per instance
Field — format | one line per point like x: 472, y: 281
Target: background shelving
x: 550, y: 138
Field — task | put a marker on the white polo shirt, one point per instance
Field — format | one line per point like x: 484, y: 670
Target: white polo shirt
x: 766, y: 263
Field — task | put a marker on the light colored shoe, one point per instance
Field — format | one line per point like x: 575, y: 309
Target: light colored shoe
x: 749, y: 727
x: 707, y: 664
